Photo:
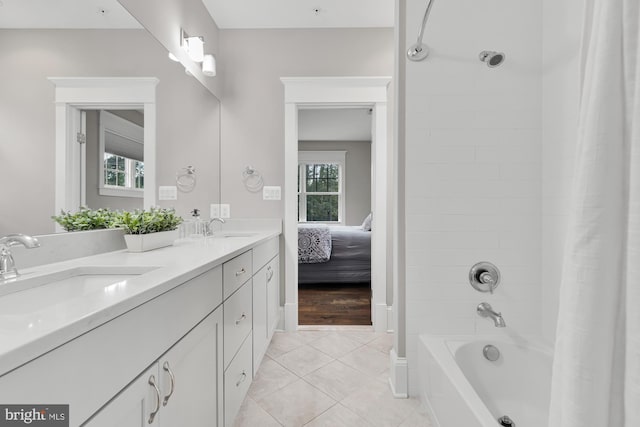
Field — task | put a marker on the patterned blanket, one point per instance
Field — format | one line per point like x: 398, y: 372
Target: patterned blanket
x: 314, y: 243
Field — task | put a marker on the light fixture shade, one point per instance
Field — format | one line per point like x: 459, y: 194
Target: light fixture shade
x: 195, y: 48
x: 209, y: 65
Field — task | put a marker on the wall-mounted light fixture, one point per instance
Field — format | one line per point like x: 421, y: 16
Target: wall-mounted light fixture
x: 209, y: 65
x: 193, y: 45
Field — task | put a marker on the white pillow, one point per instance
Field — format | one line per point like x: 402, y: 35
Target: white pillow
x: 366, y: 224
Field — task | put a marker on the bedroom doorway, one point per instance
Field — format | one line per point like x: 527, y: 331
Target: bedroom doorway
x: 334, y: 205
x: 352, y: 92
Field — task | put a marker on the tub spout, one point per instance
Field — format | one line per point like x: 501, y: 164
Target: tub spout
x: 484, y: 310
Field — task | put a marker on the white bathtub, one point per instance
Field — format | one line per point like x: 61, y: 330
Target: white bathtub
x: 462, y: 388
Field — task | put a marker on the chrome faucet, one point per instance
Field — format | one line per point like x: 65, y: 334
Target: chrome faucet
x: 484, y: 310
x: 7, y: 264
x: 208, y: 231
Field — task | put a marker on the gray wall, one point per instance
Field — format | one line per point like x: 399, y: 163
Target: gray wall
x: 187, y: 116
x: 357, y: 174
x: 253, y: 98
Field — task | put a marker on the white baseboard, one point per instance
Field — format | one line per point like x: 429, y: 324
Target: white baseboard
x: 380, y: 318
x: 390, y: 322
x: 291, y: 316
x: 398, y: 375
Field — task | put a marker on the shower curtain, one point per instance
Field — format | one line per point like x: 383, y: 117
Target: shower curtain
x: 596, y: 372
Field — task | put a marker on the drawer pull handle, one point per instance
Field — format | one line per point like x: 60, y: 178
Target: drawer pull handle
x: 243, y: 377
x: 244, y: 316
x: 152, y: 382
x: 241, y: 272
x: 167, y: 369
x: 269, y: 274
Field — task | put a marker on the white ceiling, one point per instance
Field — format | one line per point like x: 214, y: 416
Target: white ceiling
x: 230, y: 14
x: 334, y: 124
x: 65, y: 14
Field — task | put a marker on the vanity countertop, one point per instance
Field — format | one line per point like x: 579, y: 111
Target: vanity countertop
x: 35, y: 321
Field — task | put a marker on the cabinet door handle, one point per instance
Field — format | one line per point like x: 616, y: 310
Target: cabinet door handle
x: 167, y: 369
x: 241, y: 272
x: 152, y: 382
x: 244, y: 316
x: 269, y: 274
x: 243, y: 377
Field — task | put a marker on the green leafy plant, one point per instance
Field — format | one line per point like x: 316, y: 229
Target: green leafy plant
x: 152, y: 221
x: 87, y: 219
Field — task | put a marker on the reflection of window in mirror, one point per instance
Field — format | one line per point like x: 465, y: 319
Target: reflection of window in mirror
x: 121, y: 151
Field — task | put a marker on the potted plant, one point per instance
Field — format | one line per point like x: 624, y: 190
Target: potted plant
x: 146, y: 230
x: 87, y: 219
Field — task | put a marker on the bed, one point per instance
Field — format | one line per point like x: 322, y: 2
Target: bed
x: 349, y: 260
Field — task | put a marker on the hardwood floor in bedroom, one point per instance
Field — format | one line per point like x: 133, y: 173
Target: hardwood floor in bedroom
x: 329, y: 304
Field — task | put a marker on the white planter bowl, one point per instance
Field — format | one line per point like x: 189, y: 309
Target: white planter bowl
x: 147, y: 242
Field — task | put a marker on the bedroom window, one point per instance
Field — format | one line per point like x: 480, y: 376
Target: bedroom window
x: 321, y: 186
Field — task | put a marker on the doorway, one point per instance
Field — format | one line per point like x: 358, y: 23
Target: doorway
x: 334, y: 196
x: 371, y: 92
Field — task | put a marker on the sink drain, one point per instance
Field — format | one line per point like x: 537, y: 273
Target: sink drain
x: 506, y: 421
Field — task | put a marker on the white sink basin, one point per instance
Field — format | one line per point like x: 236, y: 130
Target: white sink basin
x: 234, y: 234
x: 82, y: 279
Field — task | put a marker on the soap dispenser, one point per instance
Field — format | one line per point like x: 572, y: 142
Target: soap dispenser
x: 195, y: 226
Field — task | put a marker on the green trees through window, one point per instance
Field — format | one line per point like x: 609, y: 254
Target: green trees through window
x: 319, y: 199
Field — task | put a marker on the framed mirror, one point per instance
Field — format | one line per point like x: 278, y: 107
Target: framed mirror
x: 40, y: 42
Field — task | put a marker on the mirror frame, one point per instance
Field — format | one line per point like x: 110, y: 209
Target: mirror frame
x: 74, y: 93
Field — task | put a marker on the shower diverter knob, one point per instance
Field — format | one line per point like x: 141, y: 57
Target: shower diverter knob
x: 484, y: 277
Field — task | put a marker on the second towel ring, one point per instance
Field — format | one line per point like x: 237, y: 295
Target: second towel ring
x: 252, y: 179
x: 186, y: 179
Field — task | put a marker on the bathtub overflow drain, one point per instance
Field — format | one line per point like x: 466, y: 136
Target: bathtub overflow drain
x: 491, y: 353
x: 506, y: 421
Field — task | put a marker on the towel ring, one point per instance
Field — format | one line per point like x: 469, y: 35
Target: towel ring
x: 252, y: 179
x: 186, y: 179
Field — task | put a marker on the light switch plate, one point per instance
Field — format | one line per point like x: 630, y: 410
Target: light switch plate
x: 271, y: 193
x: 214, y: 211
x: 225, y: 211
x: 167, y: 192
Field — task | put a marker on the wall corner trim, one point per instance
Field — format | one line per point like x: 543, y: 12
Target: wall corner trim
x: 398, y: 376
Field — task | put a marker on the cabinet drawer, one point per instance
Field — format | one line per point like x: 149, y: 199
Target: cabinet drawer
x: 235, y: 272
x: 237, y: 320
x: 263, y: 253
x: 237, y: 379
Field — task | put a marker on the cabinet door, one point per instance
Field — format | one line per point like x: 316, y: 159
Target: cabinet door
x: 273, y: 296
x: 260, y: 333
x: 191, y: 377
x: 136, y: 406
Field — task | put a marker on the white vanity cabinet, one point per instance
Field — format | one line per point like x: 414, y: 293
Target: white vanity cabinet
x: 89, y: 371
x: 266, y: 303
x: 135, y: 406
x: 185, y: 357
x: 250, y: 317
x: 182, y: 388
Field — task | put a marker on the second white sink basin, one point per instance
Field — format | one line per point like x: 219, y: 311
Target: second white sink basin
x: 234, y: 234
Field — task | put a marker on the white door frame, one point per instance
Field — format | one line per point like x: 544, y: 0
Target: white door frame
x: 73, y: 93
x: 301, y: 92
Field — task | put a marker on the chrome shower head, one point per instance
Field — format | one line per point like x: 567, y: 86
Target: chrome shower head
x: 493, y: 59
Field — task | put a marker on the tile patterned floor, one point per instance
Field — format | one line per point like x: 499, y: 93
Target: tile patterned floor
x: 327, y: 377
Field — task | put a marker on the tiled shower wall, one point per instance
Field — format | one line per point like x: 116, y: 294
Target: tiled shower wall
x: 473, y: 172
